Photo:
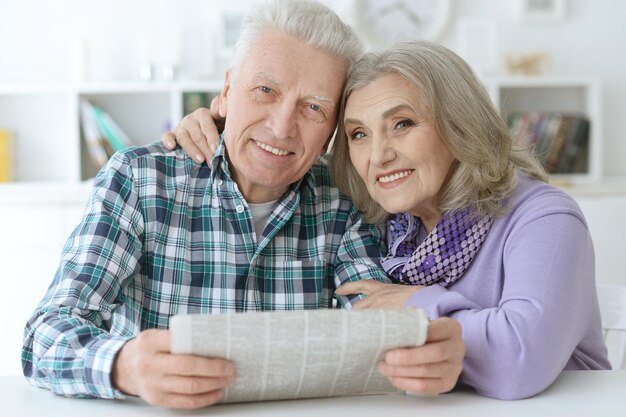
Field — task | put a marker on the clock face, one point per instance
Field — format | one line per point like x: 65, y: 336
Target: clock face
x: 387, y: 21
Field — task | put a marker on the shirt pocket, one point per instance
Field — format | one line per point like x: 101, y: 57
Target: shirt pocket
x: 293, y: 285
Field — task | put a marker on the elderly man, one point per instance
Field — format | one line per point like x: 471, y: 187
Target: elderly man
x: 258, y: 227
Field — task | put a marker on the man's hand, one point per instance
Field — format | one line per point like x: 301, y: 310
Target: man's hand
x: 379, y: 295
x: 146, y: 368
x: 198, y: 133
x: 433, y: 368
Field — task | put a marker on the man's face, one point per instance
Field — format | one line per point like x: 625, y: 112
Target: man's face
x: 281, y: 109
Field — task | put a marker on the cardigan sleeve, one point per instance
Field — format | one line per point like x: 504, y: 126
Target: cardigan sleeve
x: 518, y: 348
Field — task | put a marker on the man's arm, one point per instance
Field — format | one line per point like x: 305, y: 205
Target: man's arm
x: 72, y: 338
x: 358, y: 256
x: 81, y: 339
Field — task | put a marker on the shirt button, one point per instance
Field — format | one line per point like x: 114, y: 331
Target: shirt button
x: 239, y: 209
x: 219, y: 183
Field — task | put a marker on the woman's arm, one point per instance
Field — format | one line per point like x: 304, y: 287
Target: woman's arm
x: 518, y: 347
x: 198, y: 133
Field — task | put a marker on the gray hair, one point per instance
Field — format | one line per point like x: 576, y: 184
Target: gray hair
x: 307, y: 20
x: 487, y: 162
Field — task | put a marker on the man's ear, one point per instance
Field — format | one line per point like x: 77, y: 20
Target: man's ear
x: 223, y: 109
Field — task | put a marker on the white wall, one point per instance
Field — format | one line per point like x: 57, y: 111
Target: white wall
x: 589, y: 41
x: 36, y: 38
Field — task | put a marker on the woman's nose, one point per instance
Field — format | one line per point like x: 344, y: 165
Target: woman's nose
x: 381, y: 152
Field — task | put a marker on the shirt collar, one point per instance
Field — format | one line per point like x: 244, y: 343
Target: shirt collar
x: 219, y: 162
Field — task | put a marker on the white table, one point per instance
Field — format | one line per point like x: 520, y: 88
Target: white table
x: 575, y: 393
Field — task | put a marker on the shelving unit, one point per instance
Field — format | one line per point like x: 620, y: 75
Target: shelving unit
x: 574, y: 95
x: 45, y: 120
x: 41, y: 119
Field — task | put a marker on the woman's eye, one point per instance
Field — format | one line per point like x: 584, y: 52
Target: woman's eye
x: 402, y: 124
x: 357, y: 135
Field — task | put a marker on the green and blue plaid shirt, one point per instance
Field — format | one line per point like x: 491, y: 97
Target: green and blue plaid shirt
x: 163, y: 235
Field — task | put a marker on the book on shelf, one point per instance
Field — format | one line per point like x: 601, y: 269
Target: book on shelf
x: 560, y: 141
x: 101, y: 133
x: 96, y: 143
x: 6, y: 156
x: 193, y: 100
x: 576, y: 154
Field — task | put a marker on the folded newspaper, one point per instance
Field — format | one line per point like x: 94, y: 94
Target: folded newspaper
x: 301, y: 354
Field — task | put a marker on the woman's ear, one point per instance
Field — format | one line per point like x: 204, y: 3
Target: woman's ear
x: 223, y: 108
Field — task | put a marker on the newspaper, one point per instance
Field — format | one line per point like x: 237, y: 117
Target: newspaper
x: 301, y: 354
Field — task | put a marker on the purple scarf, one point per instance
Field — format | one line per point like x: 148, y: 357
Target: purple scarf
x: 442, y: 257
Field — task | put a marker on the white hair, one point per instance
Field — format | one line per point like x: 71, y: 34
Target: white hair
x: 307, y: 20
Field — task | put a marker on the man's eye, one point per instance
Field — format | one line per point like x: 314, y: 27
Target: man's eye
x: 315, y: 112
x: 265, y: 89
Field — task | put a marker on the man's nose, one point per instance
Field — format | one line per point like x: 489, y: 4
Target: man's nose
x: 282, y: 120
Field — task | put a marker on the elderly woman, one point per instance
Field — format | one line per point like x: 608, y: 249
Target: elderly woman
x: 475, y: 232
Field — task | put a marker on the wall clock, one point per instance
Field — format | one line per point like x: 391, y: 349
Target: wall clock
x: 383, y: 22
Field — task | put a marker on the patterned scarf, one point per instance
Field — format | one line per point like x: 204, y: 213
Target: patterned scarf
x: 442, y: 257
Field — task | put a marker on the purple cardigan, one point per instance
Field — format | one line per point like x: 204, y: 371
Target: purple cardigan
x: 527, y: 303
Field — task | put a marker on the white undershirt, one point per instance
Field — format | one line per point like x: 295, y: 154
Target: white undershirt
x: 260, y: 213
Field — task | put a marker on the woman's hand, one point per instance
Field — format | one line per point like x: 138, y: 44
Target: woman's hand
x: 432, y: 368
x: 198, y: 133
x: 379, y: 295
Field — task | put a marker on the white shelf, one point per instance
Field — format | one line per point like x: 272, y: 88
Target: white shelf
x: 45, y: 121
x: 543, y: 81
x: 45, y: 193
x: 607, y: 186
x: 577, y: 95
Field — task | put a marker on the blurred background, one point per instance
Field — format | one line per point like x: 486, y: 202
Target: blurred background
x: 65, y: 40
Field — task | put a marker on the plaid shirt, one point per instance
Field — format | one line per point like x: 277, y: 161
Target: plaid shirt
x: 163, y: 235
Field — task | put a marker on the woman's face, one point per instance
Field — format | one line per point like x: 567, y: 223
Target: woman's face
x: 395, y: 148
